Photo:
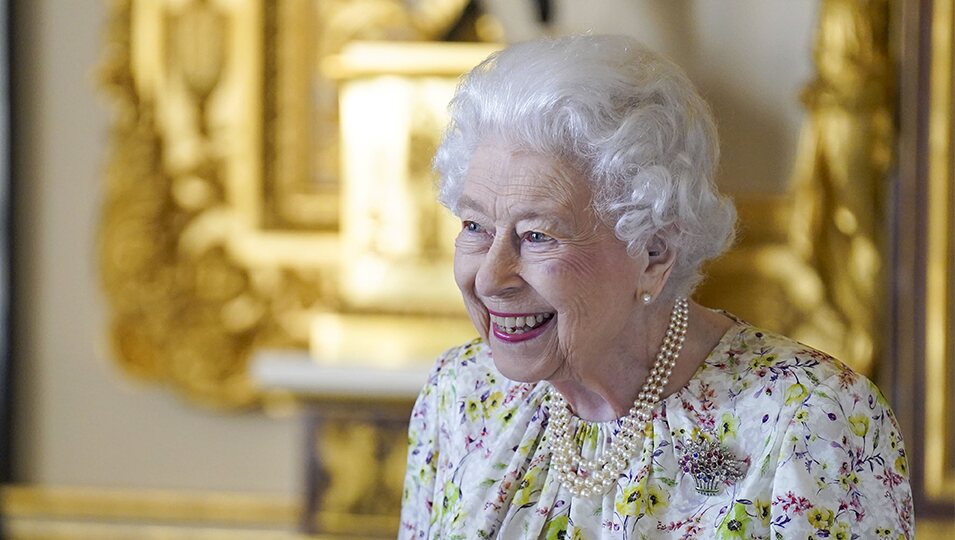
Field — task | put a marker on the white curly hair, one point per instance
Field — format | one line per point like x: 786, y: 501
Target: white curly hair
x: 629, y: 118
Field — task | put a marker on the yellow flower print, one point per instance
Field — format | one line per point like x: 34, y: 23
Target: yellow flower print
x: 473, y: 408
x: 736, y: 525
x: 451, y: 503
x: 763, y: 361
x: 849, y: 480
x: 802, y: 416
x: 560, y: 529
x: 729, y: 425
x: 452, y: 494
x: 902, y: 466
x: 492, y: 402
x: 642, y: 498
x: 763, y: 511
x: 631, y: 503
x: 526, y: 488
x: 841, y: 531
x: 656, y: 500
x: 796, y: 393
x: 587, y: 437
x: 505, y: 416
x: 859, y: 424
x: 820, y: 518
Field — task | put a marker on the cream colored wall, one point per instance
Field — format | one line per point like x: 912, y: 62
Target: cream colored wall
x: 749, y: 58
x: 80, y: 421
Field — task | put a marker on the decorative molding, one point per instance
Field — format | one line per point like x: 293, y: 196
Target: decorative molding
x: 51, y: 513
x: 146, y: 506
x: 211, y: 150
x: 69, y: 513
x: 920, y: 364
x: 940, y: 264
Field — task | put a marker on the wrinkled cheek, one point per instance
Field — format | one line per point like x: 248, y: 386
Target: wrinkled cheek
x: 464, y: 278
x: 567, y: 338
x: 476, y: 311
x: 568, y: 287
x: 480, y: 321
x: 465, y: 273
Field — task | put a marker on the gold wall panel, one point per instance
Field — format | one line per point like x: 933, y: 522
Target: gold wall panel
x: 939, y: 381
x: 220, y: 229
x: 302, y: 186
x: 920, y: 360
x: 814, y: 258
x: 356, y: 453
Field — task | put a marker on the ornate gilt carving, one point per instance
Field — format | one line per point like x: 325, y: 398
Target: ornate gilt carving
x: 219, y: 231
x: 187, y: 308
x: 302, y: 189
x: 841, y: 176
x: 816, y: 258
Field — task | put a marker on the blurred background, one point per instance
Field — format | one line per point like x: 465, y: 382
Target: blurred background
x: 210, y: 205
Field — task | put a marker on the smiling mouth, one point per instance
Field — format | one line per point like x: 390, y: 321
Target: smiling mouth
x: 517, y: 325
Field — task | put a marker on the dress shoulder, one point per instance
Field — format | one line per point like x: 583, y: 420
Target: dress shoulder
x: 783, y: 368
x: 818, y: 437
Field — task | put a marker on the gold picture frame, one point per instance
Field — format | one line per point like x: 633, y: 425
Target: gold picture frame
x: 220, y: 230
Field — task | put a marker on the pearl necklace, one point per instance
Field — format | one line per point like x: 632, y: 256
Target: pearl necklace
x: 586, y: 477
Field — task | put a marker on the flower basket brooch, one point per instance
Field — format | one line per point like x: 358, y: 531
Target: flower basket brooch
x: 711, y: 465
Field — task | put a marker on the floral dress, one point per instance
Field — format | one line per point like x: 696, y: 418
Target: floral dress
x: 822, y: 454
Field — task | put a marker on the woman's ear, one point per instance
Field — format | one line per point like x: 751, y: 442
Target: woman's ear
x: 660, y: 259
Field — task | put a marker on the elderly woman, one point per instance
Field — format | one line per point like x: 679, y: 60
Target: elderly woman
x: 599, y: 402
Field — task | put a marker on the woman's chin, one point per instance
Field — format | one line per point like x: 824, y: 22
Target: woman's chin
x: 517, y: 371
x: 531, y: 367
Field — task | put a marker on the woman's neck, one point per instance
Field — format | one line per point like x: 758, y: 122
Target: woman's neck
x: 609, y: 392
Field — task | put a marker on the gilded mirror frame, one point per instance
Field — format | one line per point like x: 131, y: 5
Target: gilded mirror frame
x: 219, y: 233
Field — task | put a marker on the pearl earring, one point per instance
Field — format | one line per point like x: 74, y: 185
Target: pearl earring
x: 647, y: 298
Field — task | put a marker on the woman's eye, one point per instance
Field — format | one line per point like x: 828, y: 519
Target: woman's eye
x: 536, y: 237
x: 471, y: 226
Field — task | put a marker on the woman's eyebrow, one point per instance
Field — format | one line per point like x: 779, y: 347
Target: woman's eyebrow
x: 467, y: 202
x: 546, y: 210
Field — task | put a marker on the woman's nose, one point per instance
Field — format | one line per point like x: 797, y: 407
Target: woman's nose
x: 499, y: 273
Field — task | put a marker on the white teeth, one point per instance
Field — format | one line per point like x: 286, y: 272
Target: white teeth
x: 519, y: 325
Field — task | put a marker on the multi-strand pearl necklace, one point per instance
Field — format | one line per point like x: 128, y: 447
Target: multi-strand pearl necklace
x: 586, y: 477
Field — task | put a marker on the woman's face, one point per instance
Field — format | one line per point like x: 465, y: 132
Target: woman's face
x: 546, y: 283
